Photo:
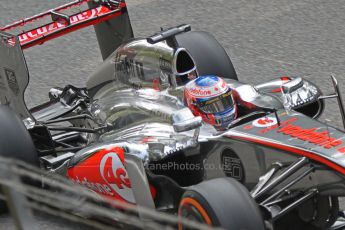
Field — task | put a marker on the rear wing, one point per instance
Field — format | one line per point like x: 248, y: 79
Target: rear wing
x: 112, y: 26
x: 115, y: 29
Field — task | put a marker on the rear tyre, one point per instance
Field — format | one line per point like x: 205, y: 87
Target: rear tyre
x: 209, y: 56
x: 15, y: 141
x: 221, y: 202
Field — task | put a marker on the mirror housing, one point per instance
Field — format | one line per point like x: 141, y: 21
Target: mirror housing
x: 292, y: 85
x: 184, y: 120
x: 299, y: 93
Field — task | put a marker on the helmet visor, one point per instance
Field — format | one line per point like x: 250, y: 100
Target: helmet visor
x: 218, y: 104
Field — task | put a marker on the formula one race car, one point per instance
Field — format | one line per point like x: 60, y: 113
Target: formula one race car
x: 128, y: 135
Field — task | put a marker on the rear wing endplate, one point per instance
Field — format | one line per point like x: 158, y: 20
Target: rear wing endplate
x: 14, y: 75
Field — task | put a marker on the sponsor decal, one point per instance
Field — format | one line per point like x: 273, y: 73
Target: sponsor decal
x: 114, y: 173
x: 131, y: 68
x: 56, y: 26
x: 97, y: 187
x: 12, y: 81
x: 104, y: 172
x: 200, y: 92
x: 341, y: 150
x: 275, y: 126
x: 207, y: 86
x: 311, y: 135
x: 265, y: 122
x: 232, y: 165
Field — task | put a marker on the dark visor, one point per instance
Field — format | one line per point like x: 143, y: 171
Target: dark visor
x: 217, y: 104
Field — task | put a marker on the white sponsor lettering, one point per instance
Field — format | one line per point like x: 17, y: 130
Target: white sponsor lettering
x: 22, y: 37
x: 81, y: 16
x: 116, y: 176
x: 42, y: 30
x: 97, y: 187
x: 30, y: 35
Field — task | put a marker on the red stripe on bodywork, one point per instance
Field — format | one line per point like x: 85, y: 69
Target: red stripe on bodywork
x: 298, y: 151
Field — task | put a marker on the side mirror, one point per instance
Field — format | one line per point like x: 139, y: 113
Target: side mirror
x: 299, y: 92
x: 292, y: 85
x: 184, y: 120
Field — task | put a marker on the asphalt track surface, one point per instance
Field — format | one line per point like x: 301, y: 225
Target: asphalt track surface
x: 265, y: 39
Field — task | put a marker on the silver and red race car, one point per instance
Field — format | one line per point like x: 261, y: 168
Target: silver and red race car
x: 128, y: 135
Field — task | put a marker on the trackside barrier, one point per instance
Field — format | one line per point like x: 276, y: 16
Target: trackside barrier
x: 30, y: 191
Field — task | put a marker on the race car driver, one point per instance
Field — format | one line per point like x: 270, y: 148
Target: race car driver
x: 211, y: 98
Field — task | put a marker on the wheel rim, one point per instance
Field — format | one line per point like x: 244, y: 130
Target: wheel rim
x: 193, y: 210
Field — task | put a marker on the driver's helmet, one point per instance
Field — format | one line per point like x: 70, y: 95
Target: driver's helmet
x: 211, y: 98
